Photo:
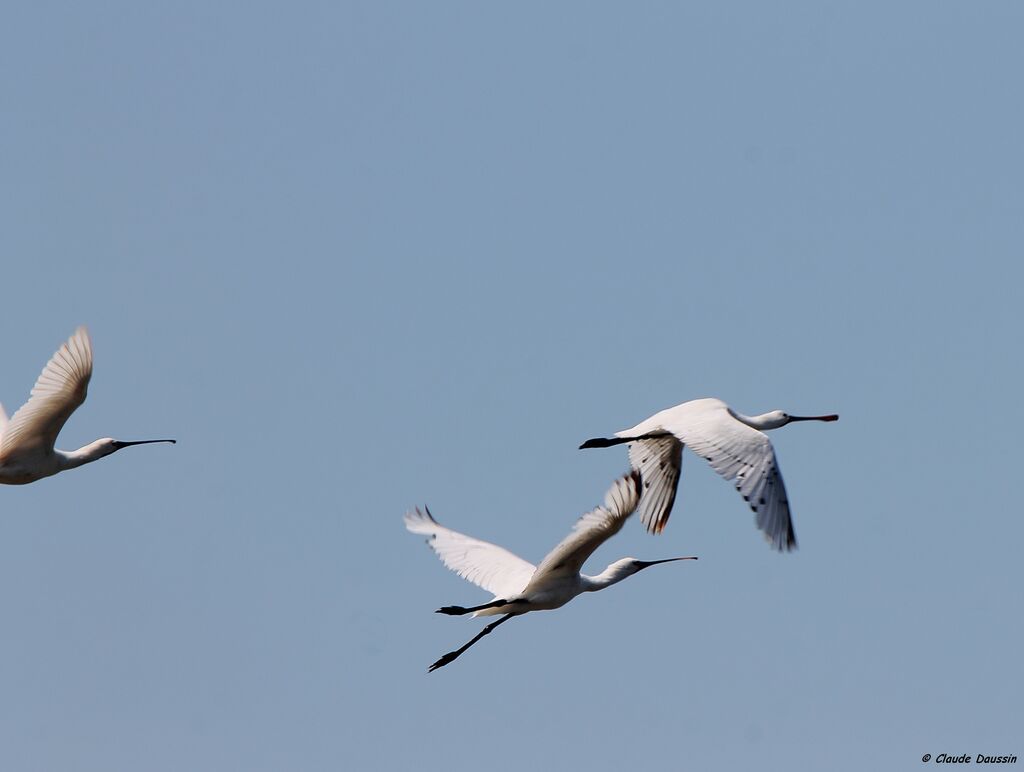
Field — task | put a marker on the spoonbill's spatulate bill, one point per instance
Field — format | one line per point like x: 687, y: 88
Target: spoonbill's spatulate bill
x: 27, y: 440
x: 731, y: 442
x: 520, y: 587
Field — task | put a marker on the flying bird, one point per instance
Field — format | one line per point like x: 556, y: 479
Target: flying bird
x: 734, y: 444
x: 27, y: 440
x: 520, y: 587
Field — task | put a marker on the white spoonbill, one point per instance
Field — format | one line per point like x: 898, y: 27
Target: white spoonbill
x: 27, y: 439
x: 731, y: 442
x: 520, y: 587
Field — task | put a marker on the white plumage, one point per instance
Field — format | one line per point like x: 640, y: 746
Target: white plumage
x: 731, y: 442
x: 60, y: 388
x: 486, y: 565
x: 517, y: 585
x: 27, y: 440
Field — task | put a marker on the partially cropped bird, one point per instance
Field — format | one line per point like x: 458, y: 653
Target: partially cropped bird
x: 520, y: 587
x: 731, y: 442
x: 27, y: 440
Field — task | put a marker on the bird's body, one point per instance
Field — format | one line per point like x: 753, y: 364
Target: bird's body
x: 24, y: 472
x: 734, y: 444
x: 517, y: 585
x: 27, y: 451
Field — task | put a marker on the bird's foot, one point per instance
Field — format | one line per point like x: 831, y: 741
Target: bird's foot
x: 452, y: 611
x: 446, y: 659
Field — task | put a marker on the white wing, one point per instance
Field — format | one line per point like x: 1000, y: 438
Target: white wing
x: 59, y: 390
x: 3, y: 420
x: 484, y: 564
x: 593, y: 529
x: 658, y: 461
x: 741, y: 454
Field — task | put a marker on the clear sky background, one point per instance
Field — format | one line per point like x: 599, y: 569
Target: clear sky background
x: 360, y: 257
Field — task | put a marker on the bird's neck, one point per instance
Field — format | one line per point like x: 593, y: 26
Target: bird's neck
x: 69, y: 459
x: 615, y: 573
x: 759, y: 422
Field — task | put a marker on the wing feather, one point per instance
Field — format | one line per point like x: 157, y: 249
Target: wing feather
x: 593, y: 528
x: 658, y: 461
x: 744, y: 456
x: 486, y: 565
x: 59, y: 390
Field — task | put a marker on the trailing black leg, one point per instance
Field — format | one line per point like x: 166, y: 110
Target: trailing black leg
x: 601, y: 442
x: 607, y: 442
x: 460, y: 610
x: 451, y: 656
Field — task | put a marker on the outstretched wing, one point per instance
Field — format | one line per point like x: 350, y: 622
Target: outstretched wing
x: 58, y: 392
x: 658, y: 460
x: 593, y: 528
x: 744, y: 456
x: 484, y: 564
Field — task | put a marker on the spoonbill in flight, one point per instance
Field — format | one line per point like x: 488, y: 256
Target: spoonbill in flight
x: 520, y: 587
x: 26, y: 440
x: 731, y: 442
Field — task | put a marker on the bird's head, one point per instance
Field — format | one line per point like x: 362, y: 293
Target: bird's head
x: 640, y: 565
x: 102, y: 447
x: 776, y: 418
x: 620, y: 569
x: 107, y: 445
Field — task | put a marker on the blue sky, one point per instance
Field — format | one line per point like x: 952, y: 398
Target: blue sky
x: 360, y: 257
